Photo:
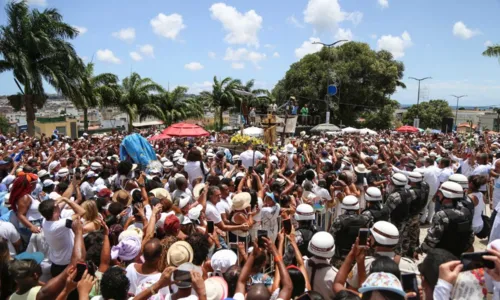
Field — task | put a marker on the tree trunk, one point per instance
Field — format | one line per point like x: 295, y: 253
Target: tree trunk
x: 130, y: 126
x: 30, y: 114
x: 221, y: 120
x: 85, y: 120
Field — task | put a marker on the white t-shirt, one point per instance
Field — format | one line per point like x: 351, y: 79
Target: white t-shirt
x: 212, y: 213
x: 9, y: 233
x: 135, y: 277
x: 248, y: 156
x: 61, y: 240
x: 193, y: 168
x: 224, y: 206
x: 88, y: 191
x: 482, y: 170
x: 496, y: 191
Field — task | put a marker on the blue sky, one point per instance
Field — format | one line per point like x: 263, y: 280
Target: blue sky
x: 187, y: 42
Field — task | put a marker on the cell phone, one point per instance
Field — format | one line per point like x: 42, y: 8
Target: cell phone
x: 410, y: 284
x: 250, y: 170
x: 239, y: 163
x: 80, y: 269
x: 363, y: 235
x: 260, y: 240
x: 69, y: 223
x: 181, y: 275
x: 475, y: 260
x: 287, y: 225
x: 210, y: 227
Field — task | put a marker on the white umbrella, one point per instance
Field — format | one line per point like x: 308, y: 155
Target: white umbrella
x: 367, y: 131
x: 350, y: 130
x: 253, y: 131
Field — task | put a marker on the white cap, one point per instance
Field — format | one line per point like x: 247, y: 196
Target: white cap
x: 322, y: 244
x: 95, y: 166
x: 373, y: 194
x: 236, y: 157
x: 460, y: 179
x: 47, y: 182
x: 42, y: 173
x: 63, y: 172
x: 194, y: 212
x: 54, y: 164
x: 91, y: 174
x: 168, y: 165
x: 183, y: 201
x: 452, y: 190
x: 385, y: 233
x: 304, y: 212
x: 350, y: 203
x: 163, y: 159
x: 222, y: 260
x: 415, y: 177
x: 181, y: 161
x: 399, y: 179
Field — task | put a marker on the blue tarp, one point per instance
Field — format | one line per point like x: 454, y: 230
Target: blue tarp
x: 137, y: 149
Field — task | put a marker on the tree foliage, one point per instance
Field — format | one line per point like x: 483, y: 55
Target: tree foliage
x: 431, y: 113
x: 222, y: 96
x: 492, y: 51
x: 365, y: 80
x: 382, y: 118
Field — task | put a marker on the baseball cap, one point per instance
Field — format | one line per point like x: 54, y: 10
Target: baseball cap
x: 171, y: 225
x: 105, y: 192
x: 36, y: 256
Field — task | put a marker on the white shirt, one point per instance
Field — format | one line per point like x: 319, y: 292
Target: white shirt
x: 9, y: 233
x: 61, y: 240
x: 193, y: 168
x: 445, y: 174
x: 482, y: 170
x: 224, y: 206
x: 477, y: 221
x: 248, y: 156
x: 87, y: 190
x: 135, y: 278
x: 212, y: 213
x: 496, y: 191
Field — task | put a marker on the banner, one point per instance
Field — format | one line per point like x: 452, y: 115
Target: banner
x: 291, y: 124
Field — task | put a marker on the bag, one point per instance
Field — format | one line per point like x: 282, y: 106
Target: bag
x: 485, y: 232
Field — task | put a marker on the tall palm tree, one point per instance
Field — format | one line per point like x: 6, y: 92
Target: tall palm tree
x: 34, y: 46
x: 223, y: 96
x: 497, y: 111
x: 492, y: 51
x: 136, y: 92
x: 172, y: 106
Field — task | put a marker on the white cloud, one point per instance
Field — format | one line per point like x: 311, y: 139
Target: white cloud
x: 199, y: 87
x: 147, y: 50
x: 269, y: 46
x: 193, y: 66
x: 395, y: 44
x: 81, y: 30
x: 344, y: 34
x: 107, y: 55
x: 125, y: 34
x: 237, y: 65
x: 37, y: 2
x: 383, y: 3
x: 167, y: 26
x: 373, y: 36
x: 85, y: 58
x: 308, y: 47
x: 276, y: 55
x: 460, y: 30
x: 293, y: 21
x: 243, y: 54
x: 242, y: 29
x: 212, y: 55
x: 326, y: 15
x: 488, y: 43
x: 135, y: 56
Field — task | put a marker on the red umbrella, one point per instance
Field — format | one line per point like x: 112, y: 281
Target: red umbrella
x: 158, y: 137
x: 407, y: 129
x: 185, y: 130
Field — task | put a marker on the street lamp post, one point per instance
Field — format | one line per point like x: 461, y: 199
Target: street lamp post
x: 456, y: 108
x: 418, y: 95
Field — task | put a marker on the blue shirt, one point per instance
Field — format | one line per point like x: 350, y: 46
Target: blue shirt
x: 294, y: 110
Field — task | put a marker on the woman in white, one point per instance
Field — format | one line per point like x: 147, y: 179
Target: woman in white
x: 475, y: 183
x: 270, y: 214
x: 25, y: 213
x: 241, y: 214
x: 195, y: 166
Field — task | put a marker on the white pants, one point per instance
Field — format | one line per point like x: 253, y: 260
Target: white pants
x: 428, y: 211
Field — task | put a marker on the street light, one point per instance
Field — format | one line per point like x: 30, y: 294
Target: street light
x: 456, y: 108
x: 418, y: 96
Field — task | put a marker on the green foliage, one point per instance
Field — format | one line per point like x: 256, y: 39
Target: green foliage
x: 222, y: 96
x: 382, y: 118
x: 492, y: 51
x: 365, y: 78
x: 431, y: 113
x: 461, y: 108
x: 4, y: 125
x: 34, y: 46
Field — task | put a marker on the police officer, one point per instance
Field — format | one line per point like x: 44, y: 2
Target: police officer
x: 384, y: 237
x: 319, y: 270
x: 304, y: 215
x: 451, y: 227
x: 464, y: 183
x: 411, y: 232
x: 374, y: 207
x: 345, y: 228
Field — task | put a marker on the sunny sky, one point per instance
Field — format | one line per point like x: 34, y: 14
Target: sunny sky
x: 187, y: 42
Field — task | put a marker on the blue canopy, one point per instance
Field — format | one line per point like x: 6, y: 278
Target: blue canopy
x: 135, y: 148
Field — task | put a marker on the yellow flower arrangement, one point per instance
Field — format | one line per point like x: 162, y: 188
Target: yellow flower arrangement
x: 239, y: 139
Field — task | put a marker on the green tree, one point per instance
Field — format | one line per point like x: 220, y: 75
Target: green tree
x: 381, y: 118
x: 173, y: 106
x: 430, y: 113
x: 258, y: 98
x: 34, y: 47
x: 492, y: 51
x: 4, y: 125
x: 135, y: 93
x: 222, y: 96
x: 497, y: 125
x: 365, y: 79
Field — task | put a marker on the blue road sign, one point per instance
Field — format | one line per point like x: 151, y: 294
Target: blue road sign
x: 332, y: 90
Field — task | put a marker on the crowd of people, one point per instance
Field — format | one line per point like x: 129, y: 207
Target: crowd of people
x: 324, y: 217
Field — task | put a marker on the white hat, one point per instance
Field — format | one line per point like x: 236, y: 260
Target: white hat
x: 304, y: 212
x: 47, y: 182
x: 415, y: 177
x: 241, y: 201
x: 197, y: 190
x: 236, y: 157
x: 350, y: 202
x: 433, y: 154
x: 194, y: 213
x: 290, y: 148
x: 91, y: 174
x: 460, y: 179
x: 168, y: 165
x: 452, y: 190
x: 54, y: 165
x: 163, y: 159
x: 95, y: 166
x: 186, y: 220
x: 222, y: 260
x: 399, y: 179
x: 184, y: 200
x: 63, y: 172
x: 42, y: 173
x: 361, y: 169
x: 181, y: 161
x: 177, y: 175
x: 322, y: 244
x: 374, y: 148
x: 211, y: 155
x: 385, y: 233
x: 373, y: 194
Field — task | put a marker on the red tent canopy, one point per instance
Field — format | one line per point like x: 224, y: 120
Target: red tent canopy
x: 407, y: 129
x: 185, y: 130
x: 158, y: 137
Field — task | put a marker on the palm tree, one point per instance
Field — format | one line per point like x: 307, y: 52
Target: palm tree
x: 34, y: 47
x: 135, y: 92
x: 223, y: 96
x: 95, y: 91
x: 492, y: 51
x: 173, y: 106
x: 497, y: 111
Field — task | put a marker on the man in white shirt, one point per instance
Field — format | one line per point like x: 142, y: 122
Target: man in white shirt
x: 224, y: 206
x: 9, y: 233
x: 87, y: 188
x: 250, y: 157
x: 213, y: 214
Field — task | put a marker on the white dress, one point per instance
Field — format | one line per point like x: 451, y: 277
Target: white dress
x: 270, y: 217
x: 477, y: 221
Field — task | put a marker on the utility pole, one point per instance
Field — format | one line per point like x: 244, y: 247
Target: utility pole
x: 456, y: 108
x: 416, y: 124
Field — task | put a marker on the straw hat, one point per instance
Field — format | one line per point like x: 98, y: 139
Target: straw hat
x: 179, y: 253
x: 241, y: 201
x: 361, y: 169
x: 122, y: 196
x: 197, y: 190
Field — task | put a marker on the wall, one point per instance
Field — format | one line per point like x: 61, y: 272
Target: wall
x: 48, y: 125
